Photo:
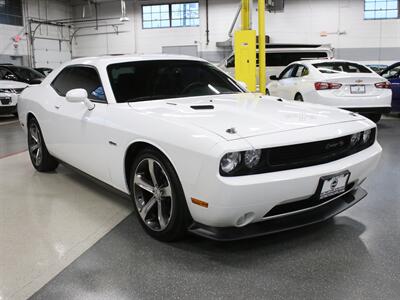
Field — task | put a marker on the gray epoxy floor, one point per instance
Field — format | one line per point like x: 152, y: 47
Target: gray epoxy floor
x: 353, y: 256
x: 12, y: 138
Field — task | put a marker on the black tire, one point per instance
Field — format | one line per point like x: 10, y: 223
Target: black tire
x: 374, y: 117
x: 41, y: 158
x: 267, y: 92
x: 298, y: 97
x: 174, y: 208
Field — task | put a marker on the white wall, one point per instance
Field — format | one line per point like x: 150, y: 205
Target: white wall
x: 365, y: 40
x: 47, y: 52
x: 134, y: 39
x: 301, y: 22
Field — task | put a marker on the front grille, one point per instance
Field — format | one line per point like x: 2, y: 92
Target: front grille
x: 304, y: 155
x: 302, y: 204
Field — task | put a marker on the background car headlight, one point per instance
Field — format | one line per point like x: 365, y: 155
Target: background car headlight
x: 230, y: 161
x: 252, y: 158
x: 367, y: 135
x: 355, y: 138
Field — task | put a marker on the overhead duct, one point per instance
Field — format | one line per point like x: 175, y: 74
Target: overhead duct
x: 123, y: 18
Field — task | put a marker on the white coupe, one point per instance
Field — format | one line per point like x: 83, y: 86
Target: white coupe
x: 194, y: 150
x: 338, y: 83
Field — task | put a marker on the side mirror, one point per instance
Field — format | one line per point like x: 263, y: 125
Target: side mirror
x: 242, y: 84
x: 79, y: 96
x: 11, y: 77
x: 273, y: 77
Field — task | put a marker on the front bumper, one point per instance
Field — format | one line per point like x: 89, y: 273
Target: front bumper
x: 310, y: 216
x: 8, y: 103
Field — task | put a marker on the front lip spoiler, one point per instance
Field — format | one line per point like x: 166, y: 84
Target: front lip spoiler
x: 366, y: 110
x: 312, y: 216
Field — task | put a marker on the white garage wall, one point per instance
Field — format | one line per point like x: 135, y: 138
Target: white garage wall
x: 48, y: 52
x: 359, y: 39
x: 301, y: 22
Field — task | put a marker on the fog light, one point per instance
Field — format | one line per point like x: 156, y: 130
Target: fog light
x: 230, y: 161
x: 252, y: 158
x: 366, y: 135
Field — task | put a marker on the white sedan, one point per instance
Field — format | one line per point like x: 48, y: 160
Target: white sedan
x: 9, y: 92
x: 338, y: 83
x: 194, y: 150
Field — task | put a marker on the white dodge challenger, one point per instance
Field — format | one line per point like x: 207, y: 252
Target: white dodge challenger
x: 194, y: 150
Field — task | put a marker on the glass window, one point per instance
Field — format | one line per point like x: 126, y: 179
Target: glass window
x: 78, y: 77
x: 300, y: 71
x: 392, y: 73
x: 11, y: 12
x: 381, y: 9
x: 152, y: 80
x: 341, y: 67
x: 170, y: 15
x: 287, y: 73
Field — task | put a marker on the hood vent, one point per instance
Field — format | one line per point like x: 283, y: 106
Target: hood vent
x: 202, y: 107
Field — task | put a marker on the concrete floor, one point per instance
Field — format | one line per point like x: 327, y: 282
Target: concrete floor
x: 353, y: 256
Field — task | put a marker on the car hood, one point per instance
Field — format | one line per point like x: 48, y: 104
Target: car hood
x: 243, y: 115
x: 9, y: 84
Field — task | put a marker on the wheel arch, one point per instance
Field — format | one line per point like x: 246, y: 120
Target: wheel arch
x: 132, y: 151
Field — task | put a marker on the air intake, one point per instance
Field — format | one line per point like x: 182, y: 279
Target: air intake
x: 202, y: 107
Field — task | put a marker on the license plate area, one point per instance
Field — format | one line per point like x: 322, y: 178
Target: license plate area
x: 333, y: 185
x: 357, y: 89
x: 5, y: 100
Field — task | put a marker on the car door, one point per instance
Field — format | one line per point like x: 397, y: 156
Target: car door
x: 284, y: 83
x: 299, y: 81
x: 81, y: 133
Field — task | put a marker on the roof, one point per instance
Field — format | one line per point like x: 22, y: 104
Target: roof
x: 110, y: 59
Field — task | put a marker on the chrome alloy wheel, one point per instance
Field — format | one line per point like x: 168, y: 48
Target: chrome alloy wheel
x: 152, y: 194
x: 35, y: 144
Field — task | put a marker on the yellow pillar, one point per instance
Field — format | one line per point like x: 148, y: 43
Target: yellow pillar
x: 246, y: 15
x: 261, y: 46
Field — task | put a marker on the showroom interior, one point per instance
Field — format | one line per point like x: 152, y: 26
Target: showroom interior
x: 330, y: 81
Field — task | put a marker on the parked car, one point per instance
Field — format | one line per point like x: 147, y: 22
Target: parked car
x: 338, y: 83
x: 194, y: 150
x: 9, y: 91
x: 377, y: 68
x: 44, y: 71
x: 19, y: 73
x: 392, y: 73
x: 278, y: 56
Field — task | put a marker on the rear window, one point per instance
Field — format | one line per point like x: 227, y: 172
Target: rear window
x: 341, y: 67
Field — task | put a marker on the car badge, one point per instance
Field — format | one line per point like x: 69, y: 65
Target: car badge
x: 359, y: 81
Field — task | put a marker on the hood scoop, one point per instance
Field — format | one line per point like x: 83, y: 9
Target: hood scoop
x: 202, y: 107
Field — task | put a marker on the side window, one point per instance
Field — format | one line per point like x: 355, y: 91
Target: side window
x: 82, y: 77
x: 287, y: 72
x: 392, y: 73
x: 300, y: 71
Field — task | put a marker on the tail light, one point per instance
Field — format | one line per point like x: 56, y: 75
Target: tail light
x: 327, y: 86
x: 383, y: 85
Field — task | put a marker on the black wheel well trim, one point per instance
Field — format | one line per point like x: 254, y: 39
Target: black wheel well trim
x: 29, y: 116
x: 132, y: 151
x: 298, y: 94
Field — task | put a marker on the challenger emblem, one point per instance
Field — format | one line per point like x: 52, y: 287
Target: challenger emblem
x: 334, y: 145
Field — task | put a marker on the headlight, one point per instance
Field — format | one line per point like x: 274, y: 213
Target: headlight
x: 252, y: 158
x: 230, y: 161
x: 355, y: 138
x: 367, y: 135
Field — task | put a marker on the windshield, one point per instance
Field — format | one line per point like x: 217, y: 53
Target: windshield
x: 25, y: 73
x: 341, y: 67
x: 163, y: 79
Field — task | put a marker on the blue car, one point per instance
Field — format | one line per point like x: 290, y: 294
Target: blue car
x: 392, y: 73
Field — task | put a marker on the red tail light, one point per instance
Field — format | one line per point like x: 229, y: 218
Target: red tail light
x: 383, y: 85
x: 327, y: 86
